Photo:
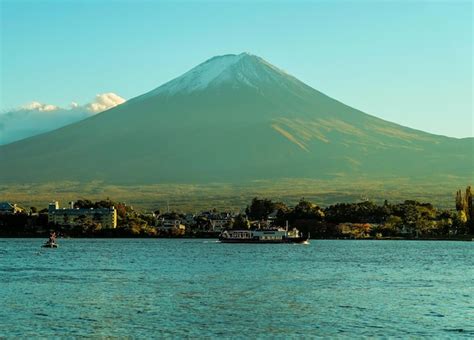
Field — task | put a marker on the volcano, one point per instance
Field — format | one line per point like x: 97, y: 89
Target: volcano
x: 233, y: 118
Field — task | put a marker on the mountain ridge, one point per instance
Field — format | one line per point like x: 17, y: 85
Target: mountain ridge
x: 239, y: 120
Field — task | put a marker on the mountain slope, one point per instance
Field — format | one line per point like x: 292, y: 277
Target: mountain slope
x: 233, y: 118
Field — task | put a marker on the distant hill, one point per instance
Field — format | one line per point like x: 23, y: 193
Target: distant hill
x: 234, y: 118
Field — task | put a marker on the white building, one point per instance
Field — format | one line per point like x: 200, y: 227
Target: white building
x: 171, y: 225
x: 106, y: 217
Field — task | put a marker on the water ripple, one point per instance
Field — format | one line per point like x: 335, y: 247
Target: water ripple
x: 200, y: 288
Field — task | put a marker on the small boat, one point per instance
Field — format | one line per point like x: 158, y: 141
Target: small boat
x: 276, y: 235
x: 50, y: 245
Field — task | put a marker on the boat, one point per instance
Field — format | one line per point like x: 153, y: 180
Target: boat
x: 50, y: 245
x: 274, y: 235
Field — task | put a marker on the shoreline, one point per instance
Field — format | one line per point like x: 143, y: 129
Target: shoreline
x: 465, y: 238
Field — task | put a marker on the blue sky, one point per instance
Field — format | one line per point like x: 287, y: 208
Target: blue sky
x: 405, y: 61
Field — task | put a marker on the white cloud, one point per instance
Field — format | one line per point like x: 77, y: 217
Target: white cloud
x: 40, y: 107
x: 104, y: 102
x: 35, y: 118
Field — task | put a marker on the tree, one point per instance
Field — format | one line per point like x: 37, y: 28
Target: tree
x: 121, y: 210
x: 240, y: 222
x: 259, y: 209
x: 459, y: 222
x: 462, y: 216
x: 459, y: 200
x: 469, y: 210
x: 358, y: 212
x: 104, y: 204
x: 393, y: 225
x: 280, y: 206
x: 307, y: 210
x: 465, y: 209
x: 84, y: 204
x: 445, y: 224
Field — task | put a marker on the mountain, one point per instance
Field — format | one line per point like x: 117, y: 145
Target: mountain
x: 233, y: 118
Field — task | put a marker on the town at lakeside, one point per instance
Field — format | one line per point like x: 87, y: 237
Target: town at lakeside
x: 360, y: 220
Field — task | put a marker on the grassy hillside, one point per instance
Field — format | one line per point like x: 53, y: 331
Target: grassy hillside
x: 193, y: 197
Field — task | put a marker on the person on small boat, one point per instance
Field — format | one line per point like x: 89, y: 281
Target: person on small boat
x: 52, y: 238
x: 51, y: 243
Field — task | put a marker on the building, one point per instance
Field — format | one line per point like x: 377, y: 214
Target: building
x: 171, y: 225
x: 272, y: 217
x: 220, y: 224
x: 106, y: 217
x: 7, y: 208
x: 216, y: 222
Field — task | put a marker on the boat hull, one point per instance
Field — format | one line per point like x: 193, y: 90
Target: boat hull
x: 47, y: 245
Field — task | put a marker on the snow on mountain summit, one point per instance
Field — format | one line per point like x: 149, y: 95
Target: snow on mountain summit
x: 243, y: 68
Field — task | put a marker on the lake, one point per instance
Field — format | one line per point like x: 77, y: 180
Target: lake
x: 201, y: 288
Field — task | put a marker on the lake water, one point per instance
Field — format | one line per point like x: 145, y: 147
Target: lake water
x: 200, y: 288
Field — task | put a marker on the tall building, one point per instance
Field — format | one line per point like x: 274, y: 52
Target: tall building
x: 106, y: 217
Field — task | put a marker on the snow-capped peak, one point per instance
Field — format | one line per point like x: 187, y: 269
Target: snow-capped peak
x: 244, y: 68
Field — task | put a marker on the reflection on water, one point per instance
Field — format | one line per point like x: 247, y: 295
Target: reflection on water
x: 177, y: 288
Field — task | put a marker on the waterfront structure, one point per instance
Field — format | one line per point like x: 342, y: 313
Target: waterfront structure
x: 216, y: 222
x: 219, y: 225
x: 171, y: 225
x: 106, y: 217
x: 219, y: 222
x: 7, y: 208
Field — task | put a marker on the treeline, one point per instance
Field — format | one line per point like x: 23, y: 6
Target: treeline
x: 367, y: 219
x: 409, y: 219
